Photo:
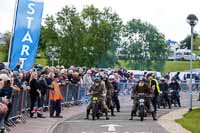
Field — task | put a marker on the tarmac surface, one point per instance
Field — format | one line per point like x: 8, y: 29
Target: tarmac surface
x: 74, y: 122
x: 118, y: 124
x: 121, y: 123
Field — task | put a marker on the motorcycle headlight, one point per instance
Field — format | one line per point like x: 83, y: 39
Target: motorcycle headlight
x: 141, y: 100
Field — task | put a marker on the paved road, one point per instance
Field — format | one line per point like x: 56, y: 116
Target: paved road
x: 79, y: 125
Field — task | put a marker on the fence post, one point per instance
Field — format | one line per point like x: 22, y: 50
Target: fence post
x: 79, y: 89
x: 199, y: 97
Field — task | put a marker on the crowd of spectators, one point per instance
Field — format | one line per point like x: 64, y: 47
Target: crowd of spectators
x: 47, y: 82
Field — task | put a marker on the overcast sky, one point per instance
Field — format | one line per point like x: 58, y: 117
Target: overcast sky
x: 169, y: 16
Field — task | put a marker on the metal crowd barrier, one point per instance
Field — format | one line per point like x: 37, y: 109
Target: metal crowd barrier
x: 73, y: 94
x: 185, y: 87
x: 126, y: 88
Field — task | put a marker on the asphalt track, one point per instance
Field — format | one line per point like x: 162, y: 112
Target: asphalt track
x: 120, y: 123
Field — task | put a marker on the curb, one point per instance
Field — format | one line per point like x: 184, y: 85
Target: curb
x: 59, y: 122
x: 52, y: 128
x: 168, y: 121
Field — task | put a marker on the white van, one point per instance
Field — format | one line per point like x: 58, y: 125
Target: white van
x: 184, y: 54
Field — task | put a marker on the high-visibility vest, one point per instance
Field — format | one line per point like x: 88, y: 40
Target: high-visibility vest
x: 55, y: 94
x: 157, y: 85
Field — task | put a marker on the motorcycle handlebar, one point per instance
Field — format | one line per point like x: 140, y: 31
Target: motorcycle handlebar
x: 91, y: 94
x: 144, y: 95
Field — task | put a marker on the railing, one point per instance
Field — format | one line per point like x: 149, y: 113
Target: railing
x: 73, y: 94
x: 126, y: 88
x: 185, y: 87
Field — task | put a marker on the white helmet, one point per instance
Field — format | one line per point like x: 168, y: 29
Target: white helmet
x: 112, y: 77
x: 70, y: 71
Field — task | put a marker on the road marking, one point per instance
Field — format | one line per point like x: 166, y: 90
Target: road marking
x: 109, y: 132
x: 90, y: 121
x: 111, y: 127
x: 142, y: 132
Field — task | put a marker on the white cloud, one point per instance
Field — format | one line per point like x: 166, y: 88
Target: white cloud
x: 169, y: 16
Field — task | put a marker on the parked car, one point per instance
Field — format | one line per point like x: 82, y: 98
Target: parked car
x: 189, y: 56
x: 184, y: 54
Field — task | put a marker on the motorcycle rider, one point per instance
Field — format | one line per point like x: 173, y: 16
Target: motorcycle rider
x: 164, y: 87
x: 175, y: 86
x: 116, y: 92
x: 109, y: 94
x: 153, y: 84
x: 141, y: 87
x: 98, y: 89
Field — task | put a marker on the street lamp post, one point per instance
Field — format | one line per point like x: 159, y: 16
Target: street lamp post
x: 52, y: 57
x: 199, y: 92
x: 54, y: 54
x: 146, y: 49
x: 192, y: 21
x: 58, y: 51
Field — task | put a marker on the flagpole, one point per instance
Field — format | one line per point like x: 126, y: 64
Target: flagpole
x: 13, y: 29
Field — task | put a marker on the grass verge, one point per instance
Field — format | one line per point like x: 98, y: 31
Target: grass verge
x: 170, y: 66
x: 42, y: 61
x: 191, y: 121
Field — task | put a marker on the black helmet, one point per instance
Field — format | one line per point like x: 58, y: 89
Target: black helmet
x: 173, y: 79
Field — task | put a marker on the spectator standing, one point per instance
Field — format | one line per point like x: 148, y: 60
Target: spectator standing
x: 73, y: 86
x: 176, y: 77
x: 43, y: 87
x: 174, y: 85
x: 167, y: 76
x: 35, y: 95
x: 8, y: 92
x: 3, y: 103
x: 55, y: 97
x: 87, y: 79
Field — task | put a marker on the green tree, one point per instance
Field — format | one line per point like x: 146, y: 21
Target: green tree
x: 71, y: 29
x: 48, y: 36
x: 6, y: 46
x: 186, y: 43
x: 197, y: 43
x: 88, y: 38
x: 145, y: 45
x: 103, y: 31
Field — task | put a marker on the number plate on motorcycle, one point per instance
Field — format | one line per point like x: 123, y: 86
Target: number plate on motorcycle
x: 94, y: 98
